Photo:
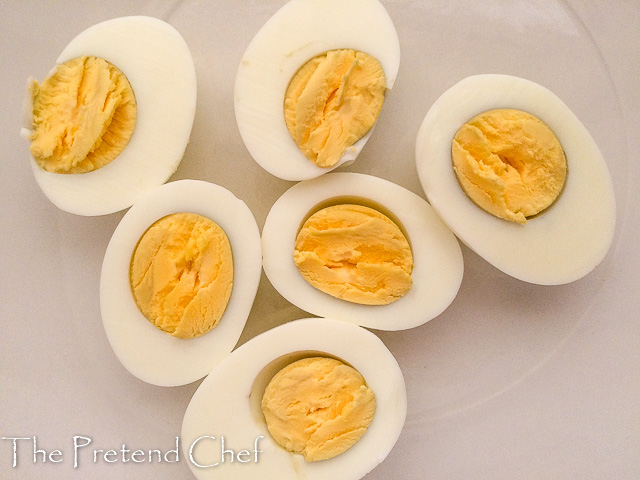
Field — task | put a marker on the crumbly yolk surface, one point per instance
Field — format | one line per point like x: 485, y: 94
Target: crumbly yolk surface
x: 332, y: 101
x: 354, y: 253
x: 509, y: 163
x: 318, y: 407
x: 83, y: 116
x: 182, y: 274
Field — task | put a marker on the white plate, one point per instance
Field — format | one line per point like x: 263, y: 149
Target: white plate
x: 511, y: 381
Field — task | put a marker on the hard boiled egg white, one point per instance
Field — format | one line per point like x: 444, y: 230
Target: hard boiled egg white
x: 437, y: 268
x: 559, y: 245
x: 228, y: 404
x: 158, y: 64
x: 146, y: 351
x: 299, y: 31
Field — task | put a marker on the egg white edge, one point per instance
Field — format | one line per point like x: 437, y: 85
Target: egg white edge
x: 438, y: 264
x: 177, y: 361
x: 164, y: 118
x: 283, y: 44
x: 216, y: 410
x: 560, y: 245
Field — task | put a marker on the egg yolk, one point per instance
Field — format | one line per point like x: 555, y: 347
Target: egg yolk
x: 354, y: 253
x: 332, y: 102
x: 509, y: 163
x: 318, y: 407
x: 83, y: 116
x: 182, y: 274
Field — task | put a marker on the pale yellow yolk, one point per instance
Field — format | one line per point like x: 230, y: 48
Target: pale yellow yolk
x: 182, y: 274
x: 318, y: 407
x: 354, y: 253
x: 332, y: 101
x: 83, y: 116
x: 509, y: 163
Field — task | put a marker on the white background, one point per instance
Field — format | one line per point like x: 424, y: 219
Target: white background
x: 513, y: 381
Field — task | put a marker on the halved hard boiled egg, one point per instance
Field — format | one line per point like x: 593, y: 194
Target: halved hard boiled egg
x: 562, y: 243
x: 363, y: 256
x: 147, y: 348
x: 300, y: 32
x: 157, y: 63
x: 226, y: 411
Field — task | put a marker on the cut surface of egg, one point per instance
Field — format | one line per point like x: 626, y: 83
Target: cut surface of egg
x: 157, y: 63
x: 298, y: 32
x: 560, y: 244
x: 228, y: 404
x: 318, y: 407
x: 355, y: 253
x: 437, y: 258
x: 146, y: 351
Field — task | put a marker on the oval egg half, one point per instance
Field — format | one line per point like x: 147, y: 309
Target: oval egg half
x: 228, y: 404
x: 158, y: 64
x: 437, y: 258
x: 559, y: 245
x: 147, y: 352
x: 299, y: 31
